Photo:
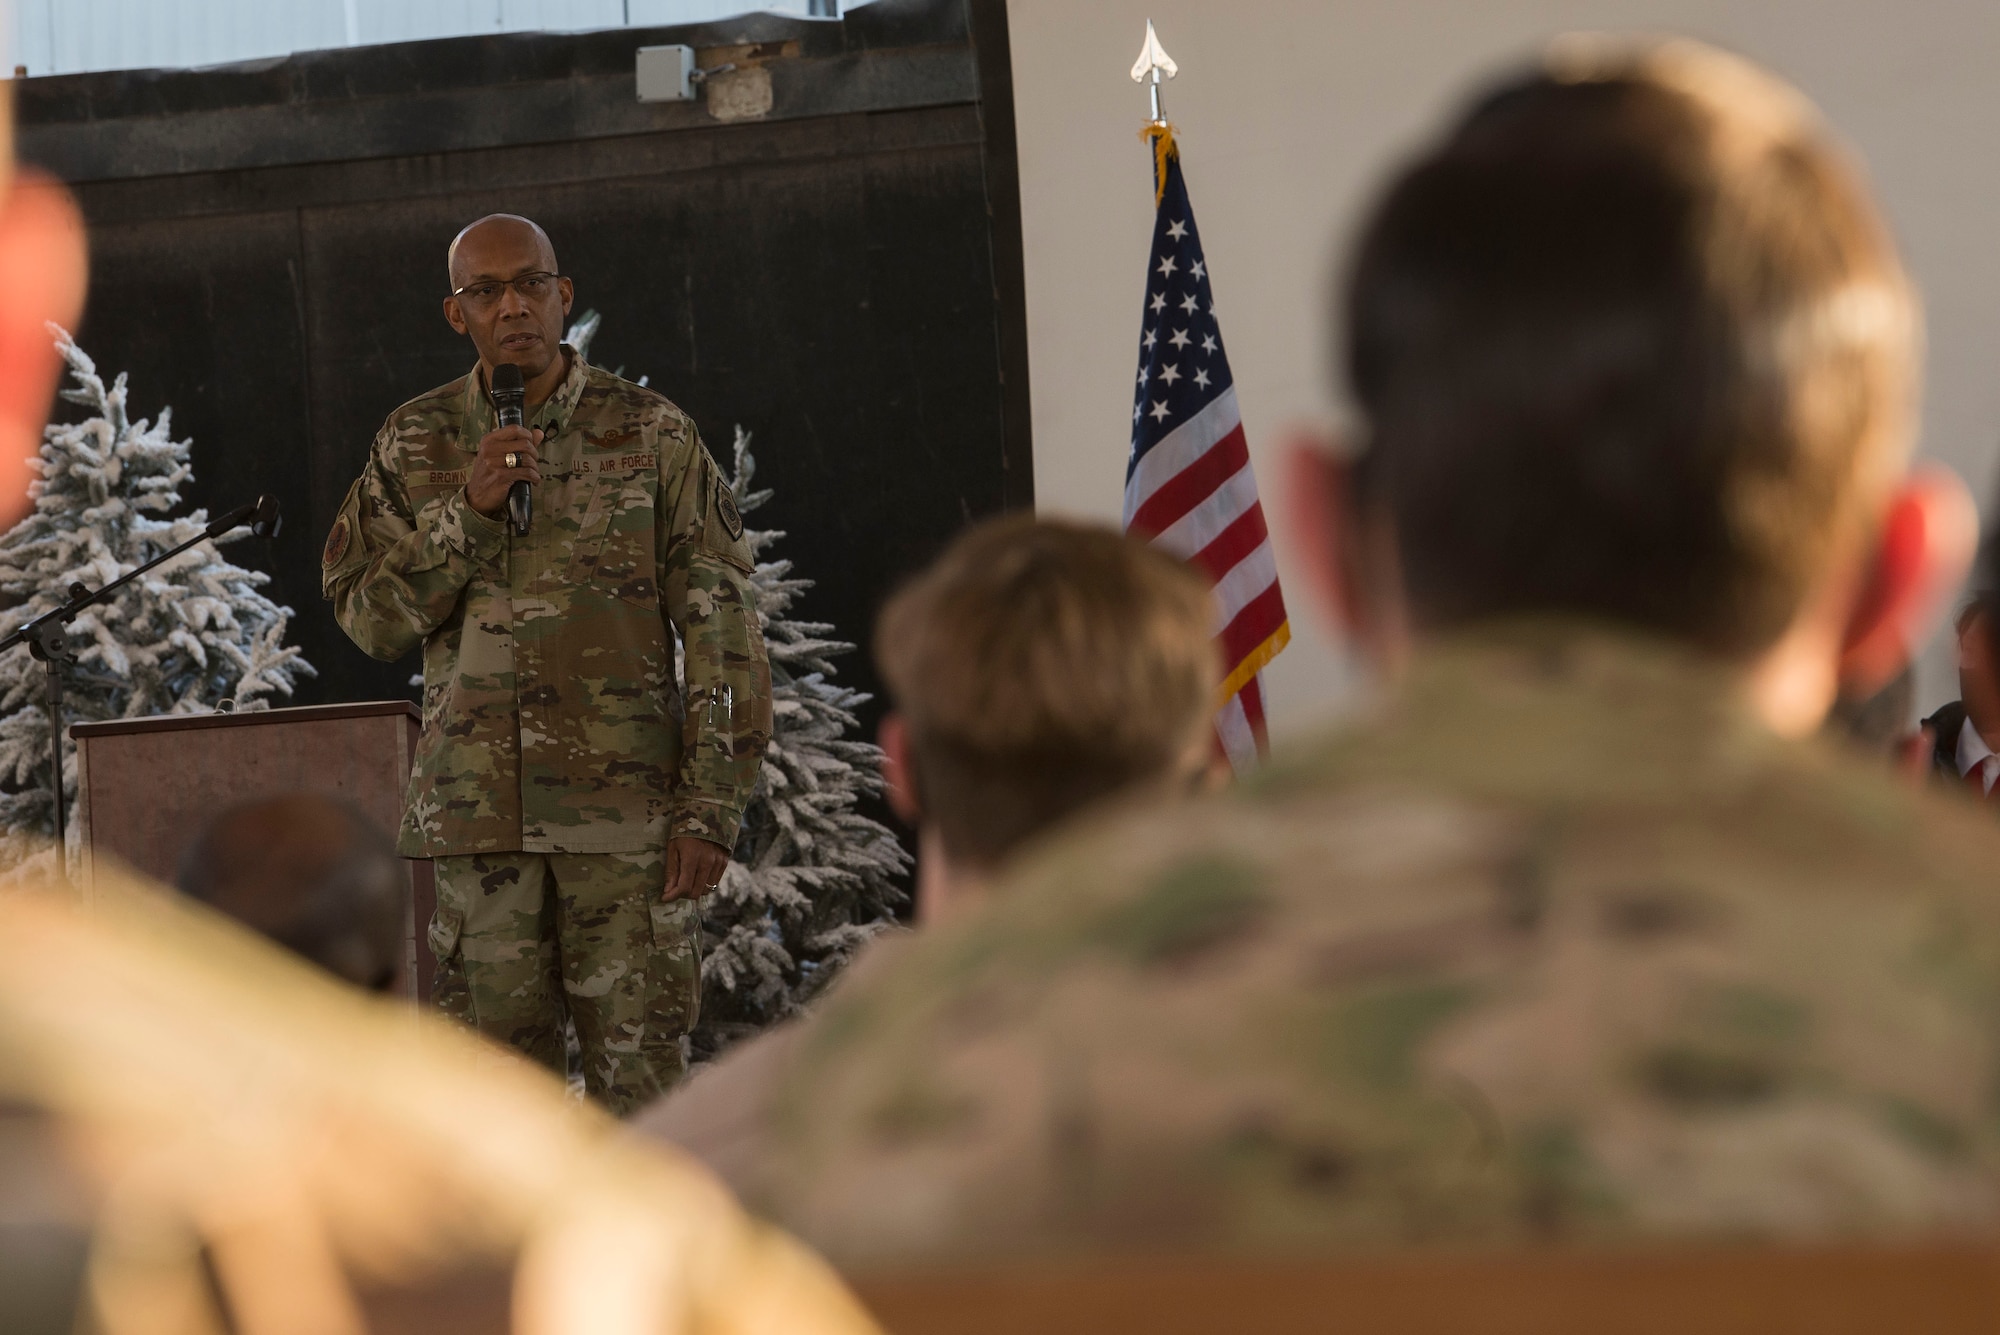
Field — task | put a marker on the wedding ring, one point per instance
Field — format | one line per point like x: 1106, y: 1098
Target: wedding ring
x: 513, y: 459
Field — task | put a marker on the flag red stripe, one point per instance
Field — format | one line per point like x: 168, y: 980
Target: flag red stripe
x: 1256, y: 623
x: 1245, y: 534
x: 1192, y: 485
x: 1179, y: 448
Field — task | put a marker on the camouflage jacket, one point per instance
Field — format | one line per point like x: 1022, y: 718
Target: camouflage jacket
x: 553, y: 720
x: 1558, y: 946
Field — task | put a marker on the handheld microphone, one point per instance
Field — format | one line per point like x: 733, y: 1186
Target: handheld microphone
x: 510, y: 397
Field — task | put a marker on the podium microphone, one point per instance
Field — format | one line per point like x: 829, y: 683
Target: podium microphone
x: 261, y: 515
x: 264, y: 518
x: 510, y: 397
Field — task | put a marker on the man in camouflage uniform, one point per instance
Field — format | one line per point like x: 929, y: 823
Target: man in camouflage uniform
x: 575, y: 804
x: 1580, y: 935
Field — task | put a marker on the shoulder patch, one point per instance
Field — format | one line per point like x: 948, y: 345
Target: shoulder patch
x: 336, y: 543
x: 725, y: 505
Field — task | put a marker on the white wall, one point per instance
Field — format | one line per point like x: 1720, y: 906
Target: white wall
x: 1290, y: 110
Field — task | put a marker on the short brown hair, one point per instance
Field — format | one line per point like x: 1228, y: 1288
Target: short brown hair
x: 1630, y: 343
x: 1042, y: 666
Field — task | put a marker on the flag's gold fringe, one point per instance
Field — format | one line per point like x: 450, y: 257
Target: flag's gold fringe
x: 1253, y: 663
x: 1161, y: 136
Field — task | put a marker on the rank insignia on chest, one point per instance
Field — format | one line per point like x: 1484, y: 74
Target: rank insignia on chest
x: 725, y: 505
x: 336, y: 543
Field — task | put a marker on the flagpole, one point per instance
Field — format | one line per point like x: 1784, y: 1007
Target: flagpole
x: 1153, y: 62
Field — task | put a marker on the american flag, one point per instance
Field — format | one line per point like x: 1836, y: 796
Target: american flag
x: 1188, y: 488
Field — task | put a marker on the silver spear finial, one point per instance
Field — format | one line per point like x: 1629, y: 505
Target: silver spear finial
x: 1154, y: 61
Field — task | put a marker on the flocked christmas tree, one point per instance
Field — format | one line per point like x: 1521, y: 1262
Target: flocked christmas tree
x: 813, y: 877
x: 183, y: 639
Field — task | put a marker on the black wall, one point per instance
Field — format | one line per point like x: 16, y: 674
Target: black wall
x: 840, y: 276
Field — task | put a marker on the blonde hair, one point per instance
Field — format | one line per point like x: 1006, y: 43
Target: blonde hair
x: 1040, y: 666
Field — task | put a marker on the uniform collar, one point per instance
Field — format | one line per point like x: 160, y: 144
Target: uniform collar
x: 1548, y: 708
x: 552, y: 417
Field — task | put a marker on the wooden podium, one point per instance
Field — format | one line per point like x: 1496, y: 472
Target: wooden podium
x: 149, y: 785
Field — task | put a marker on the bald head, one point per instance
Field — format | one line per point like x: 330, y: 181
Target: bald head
x: 507, y: 297
x: 490, y: 247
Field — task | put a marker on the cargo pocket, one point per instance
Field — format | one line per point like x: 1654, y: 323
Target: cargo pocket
x: 451, y: 990
x: 677, y: 954
x: 446, y: 926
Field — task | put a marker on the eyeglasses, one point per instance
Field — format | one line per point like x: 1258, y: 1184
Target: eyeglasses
x: 487, y: 291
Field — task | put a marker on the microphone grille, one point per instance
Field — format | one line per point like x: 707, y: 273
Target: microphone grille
x: 507, y: 378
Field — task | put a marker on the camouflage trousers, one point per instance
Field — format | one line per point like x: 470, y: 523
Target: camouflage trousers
x: 523, y: 939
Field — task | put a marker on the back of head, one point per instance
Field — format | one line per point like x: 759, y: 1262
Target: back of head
x: 1041, y: 667
x: 312, y: 874
x: 1630, y: 343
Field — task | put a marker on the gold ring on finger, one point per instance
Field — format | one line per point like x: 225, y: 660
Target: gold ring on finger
x: 513, y: 459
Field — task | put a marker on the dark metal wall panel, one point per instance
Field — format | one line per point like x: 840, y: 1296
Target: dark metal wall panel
x: 828, y: 278
x: 208, y: 320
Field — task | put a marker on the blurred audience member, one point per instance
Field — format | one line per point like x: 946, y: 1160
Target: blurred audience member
x: 45, y: 1217
x: 1957, y: 734
x: 42, y: 276
x: 1880, y: 723
x: 1580, y: 935
x: 1038, y: 670
x: 314, y: 875
x: 204, y: 1134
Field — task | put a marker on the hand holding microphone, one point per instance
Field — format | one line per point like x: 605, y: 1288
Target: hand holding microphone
x: 510, y: 397
x: 507, y: 466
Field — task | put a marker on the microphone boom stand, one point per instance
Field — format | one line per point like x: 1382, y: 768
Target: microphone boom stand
x: 47, y: 638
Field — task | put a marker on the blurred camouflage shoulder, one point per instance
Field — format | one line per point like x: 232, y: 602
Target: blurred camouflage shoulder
x: 1558, y: 945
